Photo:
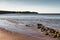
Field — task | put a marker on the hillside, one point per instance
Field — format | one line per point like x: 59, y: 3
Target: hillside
x: 19, y: 12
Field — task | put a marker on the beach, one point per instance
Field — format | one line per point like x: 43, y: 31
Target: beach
x: 24, y: 33
x: 6, y: 35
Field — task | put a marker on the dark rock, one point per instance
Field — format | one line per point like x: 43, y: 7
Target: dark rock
x: 52, y: 35
x: 58, y: 34
x: 43, y: 29
x: 39, y: 26
x: 51, y: 30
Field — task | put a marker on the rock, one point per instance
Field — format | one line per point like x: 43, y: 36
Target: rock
x: 39, y: 26
x: 58, y: 34
x: 43, y: 29
x: 27, y: 25
x: 52, y: 35
x: 45, y: 32
x: 46, y: 28
x: 51, y: 30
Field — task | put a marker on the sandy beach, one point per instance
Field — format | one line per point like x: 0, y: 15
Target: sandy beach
x: 7, y: 35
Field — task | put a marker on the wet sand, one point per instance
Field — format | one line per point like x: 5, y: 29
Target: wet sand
x: 7, y: 35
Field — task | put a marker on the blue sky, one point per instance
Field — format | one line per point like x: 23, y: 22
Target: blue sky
x: 42, y: 6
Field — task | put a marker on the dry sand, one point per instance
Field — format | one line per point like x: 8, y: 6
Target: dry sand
x: 6, y: 35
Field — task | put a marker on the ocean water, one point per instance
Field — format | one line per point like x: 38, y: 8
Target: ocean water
x: 47, y: 20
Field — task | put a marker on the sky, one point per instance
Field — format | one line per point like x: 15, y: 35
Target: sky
x: 41, y: 6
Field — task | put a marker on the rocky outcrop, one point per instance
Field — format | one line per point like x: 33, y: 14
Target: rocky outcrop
x: 49, y: 31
